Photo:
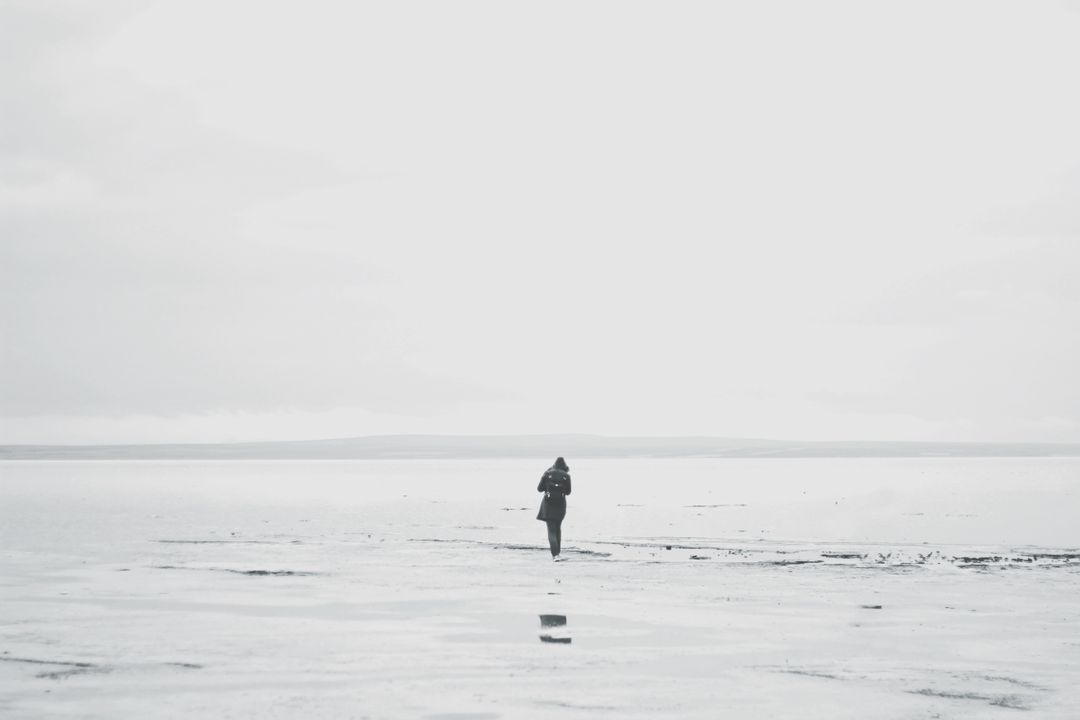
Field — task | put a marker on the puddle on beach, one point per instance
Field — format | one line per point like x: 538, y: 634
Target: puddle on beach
x: 593, y: 631
x: 553, y: 629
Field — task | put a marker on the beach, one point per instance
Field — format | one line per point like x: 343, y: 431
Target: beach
x: 698, y: 588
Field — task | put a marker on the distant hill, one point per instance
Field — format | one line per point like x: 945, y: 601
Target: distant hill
x: 529, y: 446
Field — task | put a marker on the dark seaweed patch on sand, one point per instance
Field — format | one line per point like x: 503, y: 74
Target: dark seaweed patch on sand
x: 813, y: 673
x: 253, y: 573
x: 68, y: 668
x: 1013, y: 702
x: 63, y: 669
x: 1039, y: 559
x: 968, y: 560
x: 594, y: 553
x: 1059, y: 557
x: 510, y: 546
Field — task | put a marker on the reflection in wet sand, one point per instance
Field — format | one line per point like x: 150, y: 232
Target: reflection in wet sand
x: 553, y: 621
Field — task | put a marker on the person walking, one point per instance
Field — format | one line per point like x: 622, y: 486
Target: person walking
x: 555, y: 484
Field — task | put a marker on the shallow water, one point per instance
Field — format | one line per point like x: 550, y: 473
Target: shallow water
x: 692, y: 588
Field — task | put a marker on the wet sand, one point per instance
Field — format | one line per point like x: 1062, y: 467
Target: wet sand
x: 768, y: 588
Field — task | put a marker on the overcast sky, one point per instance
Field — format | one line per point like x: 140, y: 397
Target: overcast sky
x: 257, y: 220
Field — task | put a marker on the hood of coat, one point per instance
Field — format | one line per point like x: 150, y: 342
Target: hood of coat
x: 560, y: 464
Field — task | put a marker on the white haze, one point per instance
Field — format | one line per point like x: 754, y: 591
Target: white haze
x: 259, y: 220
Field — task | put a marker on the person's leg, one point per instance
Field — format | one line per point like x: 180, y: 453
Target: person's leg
x: 553, y: 536
x: 558, y: 537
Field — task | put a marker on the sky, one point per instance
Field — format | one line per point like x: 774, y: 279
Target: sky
x: 265, y: 220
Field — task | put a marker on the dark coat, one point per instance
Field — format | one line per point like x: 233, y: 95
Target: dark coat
x: 555, y: 484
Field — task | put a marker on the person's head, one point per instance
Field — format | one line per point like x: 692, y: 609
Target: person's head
x: 561, y: 464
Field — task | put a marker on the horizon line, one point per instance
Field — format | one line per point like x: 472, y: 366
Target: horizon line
x: 581, y: 445
x: 535, y: 436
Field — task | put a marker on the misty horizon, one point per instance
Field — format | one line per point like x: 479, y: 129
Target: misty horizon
x: 535, y: 446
